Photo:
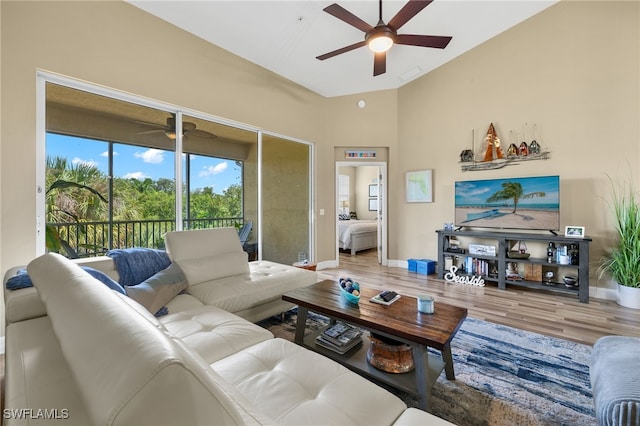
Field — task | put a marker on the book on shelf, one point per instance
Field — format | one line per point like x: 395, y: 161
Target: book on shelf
x: 321, y: 341
x: 475, y: 266
x: 340, y: 335
x: 386, y: 297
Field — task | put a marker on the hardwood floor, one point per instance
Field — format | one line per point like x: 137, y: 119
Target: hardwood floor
x: 540, y: 312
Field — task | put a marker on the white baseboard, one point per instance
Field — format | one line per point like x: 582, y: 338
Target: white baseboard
x: 398, y: 263
x: 603, y: 293
x: 327, y: 264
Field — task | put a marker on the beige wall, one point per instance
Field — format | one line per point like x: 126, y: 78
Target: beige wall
x: 574, y: 70
x: 117, y: 45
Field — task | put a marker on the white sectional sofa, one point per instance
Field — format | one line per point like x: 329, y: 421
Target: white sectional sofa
x: 100, y: 358
x: 217, y: 270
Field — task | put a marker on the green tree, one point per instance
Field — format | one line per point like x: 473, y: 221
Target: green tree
x: 512, y: 191
x: 71, y: 197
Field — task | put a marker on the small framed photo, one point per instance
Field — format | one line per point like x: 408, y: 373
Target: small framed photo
x: 574, y: 231
x: 373, y: 190
x: 373, y: 204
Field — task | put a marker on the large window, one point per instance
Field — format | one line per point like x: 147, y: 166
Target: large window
x: 111, y: 173
x: 110, y: 179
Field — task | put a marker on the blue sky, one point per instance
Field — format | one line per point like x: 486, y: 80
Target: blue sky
x: 139, y: 162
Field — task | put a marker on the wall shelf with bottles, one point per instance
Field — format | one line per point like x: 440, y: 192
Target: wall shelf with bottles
x: 511, y: 265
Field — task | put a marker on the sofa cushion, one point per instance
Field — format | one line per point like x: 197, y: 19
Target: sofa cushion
x: 266, y: 282
x: 158, y: 290
x: 197, y: 243
x: 214, y: 333
x: 158, y: 381
x: 210, y: 268
x: 305, y: 387
x: 415, y: 417
x: 207, y: 254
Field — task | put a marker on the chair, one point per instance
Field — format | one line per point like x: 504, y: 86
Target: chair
x: 244, y: 232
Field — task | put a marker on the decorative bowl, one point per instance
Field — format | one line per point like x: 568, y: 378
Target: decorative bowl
x: 570, y: 281
x: 350, y: 290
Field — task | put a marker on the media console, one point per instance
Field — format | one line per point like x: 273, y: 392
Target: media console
x: 494, y: 267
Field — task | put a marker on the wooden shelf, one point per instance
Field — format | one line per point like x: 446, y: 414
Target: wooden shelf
x: 503, y: 241
x: 356, y: 360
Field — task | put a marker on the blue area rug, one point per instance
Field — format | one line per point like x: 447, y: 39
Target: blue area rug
x: 504, y: 376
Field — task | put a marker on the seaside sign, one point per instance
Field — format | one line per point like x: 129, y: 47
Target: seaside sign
x: 463, y: 279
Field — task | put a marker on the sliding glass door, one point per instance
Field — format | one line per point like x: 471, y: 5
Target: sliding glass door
x: 114, y: 167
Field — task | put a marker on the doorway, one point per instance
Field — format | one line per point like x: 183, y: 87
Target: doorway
x: 360, y: 209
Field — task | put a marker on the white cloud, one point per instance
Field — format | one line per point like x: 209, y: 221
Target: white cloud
x: 106, y: 154
x: 135, y: 175
x: 153, y: 156
x: 75, y: 161
x: 214, y: 170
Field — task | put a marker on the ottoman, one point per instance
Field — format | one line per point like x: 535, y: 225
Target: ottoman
x: 615, y: 380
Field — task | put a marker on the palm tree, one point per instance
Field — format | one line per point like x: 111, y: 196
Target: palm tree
x: 512, y: 191
x: 68, y: 200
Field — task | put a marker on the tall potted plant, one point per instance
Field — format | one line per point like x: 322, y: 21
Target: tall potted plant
x: 622, y: 262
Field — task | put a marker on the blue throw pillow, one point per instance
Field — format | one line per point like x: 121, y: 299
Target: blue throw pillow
x: 20, y: 280
x: 105, y: 279
x: 23, y: 280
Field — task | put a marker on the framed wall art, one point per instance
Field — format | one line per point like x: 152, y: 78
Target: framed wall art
x: 419, y: 186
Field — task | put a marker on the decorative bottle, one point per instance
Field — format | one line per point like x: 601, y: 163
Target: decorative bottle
x: 575, y: 255
x: 551, y: 252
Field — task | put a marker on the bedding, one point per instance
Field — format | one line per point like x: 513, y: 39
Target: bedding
x: 357, y: 235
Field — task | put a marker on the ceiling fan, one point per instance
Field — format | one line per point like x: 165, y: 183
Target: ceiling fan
x: 188, y: 129
x: 383, y: 36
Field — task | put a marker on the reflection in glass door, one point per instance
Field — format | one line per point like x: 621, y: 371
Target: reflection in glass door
x: 286, y: 200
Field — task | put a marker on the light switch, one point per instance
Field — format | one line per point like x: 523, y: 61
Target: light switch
x: 321, y: 212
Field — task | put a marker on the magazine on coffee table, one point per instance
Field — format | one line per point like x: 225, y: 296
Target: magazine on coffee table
x: 340, y: 337
x: 386, y: 297
x: 321, y: 341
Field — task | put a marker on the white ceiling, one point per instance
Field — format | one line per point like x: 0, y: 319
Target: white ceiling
x: 286, y: 36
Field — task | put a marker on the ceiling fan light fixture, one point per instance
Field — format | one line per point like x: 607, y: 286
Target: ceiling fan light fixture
x: 380, y: 40
x: 380, y: 44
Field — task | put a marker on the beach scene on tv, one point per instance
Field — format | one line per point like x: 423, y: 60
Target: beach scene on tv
x: 511, y: 203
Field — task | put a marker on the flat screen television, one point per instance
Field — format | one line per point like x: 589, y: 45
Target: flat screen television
x: 510, y: 203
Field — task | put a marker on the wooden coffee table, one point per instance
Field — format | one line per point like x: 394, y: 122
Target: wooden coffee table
x: 399, y: 321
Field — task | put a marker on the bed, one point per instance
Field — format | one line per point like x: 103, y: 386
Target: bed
x: 357, y: 235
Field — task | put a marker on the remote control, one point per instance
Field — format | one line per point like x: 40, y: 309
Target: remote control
x: 388, y: 295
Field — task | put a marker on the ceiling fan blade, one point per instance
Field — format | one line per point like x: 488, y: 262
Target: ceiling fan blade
x: 201, y: 134
x: 379, y: 63
x: 438, y: 42
x: 149, y: 124
x: 407, y: 12
x: 342, y: 50
x: 348, y: 17
x: 151, y: 132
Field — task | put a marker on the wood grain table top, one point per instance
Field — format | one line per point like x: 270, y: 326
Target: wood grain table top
x: 401, y: 318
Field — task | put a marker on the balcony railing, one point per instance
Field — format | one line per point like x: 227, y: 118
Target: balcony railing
x: 89, y: 239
